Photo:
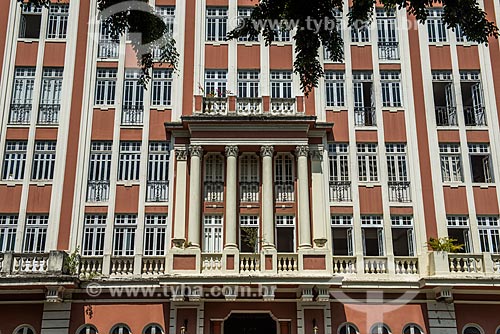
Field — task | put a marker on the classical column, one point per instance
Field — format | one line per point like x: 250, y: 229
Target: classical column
x: 303, y: 200
x: 194, y: 232
x: 180, y: 197
x: 231, y: 200
x: 267, y: 196
x: 318, y: 202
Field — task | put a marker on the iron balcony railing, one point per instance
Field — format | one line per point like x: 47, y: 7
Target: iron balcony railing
x: 388, y: 50
x: 108, y: 49
x: 97, y: 191
x: 399, y: 191
x: 49, y: 113
x: 364, y: 116
x: 474, y: 116
x: 446, y: 116
x: 157, y: 191
x: 214, y: 191
x: 284, y: 191
x: 20, y: 113
x: 249, y: 191
x: 340, y: 191
x: 132, y: 114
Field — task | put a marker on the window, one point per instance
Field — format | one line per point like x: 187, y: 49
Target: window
x: 31, y: 19
x: 248, y: 84
x: 153, y: 329
x: 473, y: 329
x: 360, y: 32
x: 158, y: 162
x: 281, y: 85
x: 337, y: 16
x: 212, y: 234
x: 458, y: 229
x: 342, y: 236
x: 167, y: 13
x: 50, y: 97
x: 480, y: 161
x: 94, y: 230
x: 99, y: 171
x: 459, y: 33
x: 284, y: 178
x: 244, y: 13
x: 36, y: 233
x: 133, y: 99
x: 391, y: 88
x: 249, y: 178
x: 380, y: 329
x: 436, y: 30
x: 8, y: 228
x: 364, y: 102
x: 282, y: 34
x: 129, y: 161
x: 444, y: 98
x: 285, y: 234
x: 105, y: 87
x: 373, y: 235
x: 403, y: 240
x: 216, y: 24
x: 335, y: 89
x: 214, y: 178
x: 14, y: 161
x: 338, y: 162
x: 44, y: 160
x: 124, y: 235
x: 249, y: 234
x: 58, y: 21
x: 215, y: 83
x: 108, y: 46
x: 367, y: 162
x: 489, y: 234
x: 451, y: 163
x: 161, y: 87
x: 22, y: 95
x: 25, y: 330
x: 87, y: 329
x: 472, y: 98
x: 348, y: 329
x: 397, y: 170
x: 412, y: 329
x: 120, y: 329
x: 155, y: 235
x: 387, y: 35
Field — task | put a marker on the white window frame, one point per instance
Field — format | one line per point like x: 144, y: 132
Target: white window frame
x: 50, y: 95
x: 346, y: 222
x: 8, y: 229
x: 451, y: 163
x: 155, y: 235
x: 482, y: 150
x: 14, y: 161
x: 286, y: 221
x: 108, y: 45
x: 213, y: 228
x: 216, y: 83
x: 105, y: 92
x: 243, y: 13
x: 22, y: 95
x: 250, y: 221
x: 367, y: 159
x: 489, y: 234
x: 405, y: 222
x: 397, y: 163
x: 44, y: 161
x: 436, y: 29
x: 338, y: 161
x: 335, y: 88
x: 248, y: 84
x: 392, y: 95
x: 124, y: 235
x: 35, y: 236
x: 216, y: 24
x: 57, y: 25
x: 129, y: 161
x: 94, y: 234
x: 461, y: 222
x: 373, y: 221
x: 161, y: 87
x: 281, y: 85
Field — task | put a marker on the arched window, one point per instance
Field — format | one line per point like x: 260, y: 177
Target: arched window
x: 380, y: 329
x: 348, y: 329
x: 412, y: 329
x: 24, y: 329
x: 498, y: 330
x: 87, y: 329
x: 472, y: 329
x: 120, y: 329
x: 153, y: 329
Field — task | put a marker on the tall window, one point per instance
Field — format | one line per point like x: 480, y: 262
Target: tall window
x: 216, y: 82
x: 58, y: 21
x: 243, y: 13
x: 161, y: 87
x: 451, y: 163
x: 212, y: 234
x: 8, y: 228
x: 109, y: 44
x: 35, y: 236
x: 14, y: 161
x: 403, y: 242
x: 31, y: 20
x: 364, y: 102
x: 50, y: 97
x: 480, y: 161
x: 444, y: 98
x: 99, y: 171
x: 94, y: 229
x: 105, y: 87
x: 124, y: 235
x: 214, y: 178
x: 337, y: 16
x: 360, y: 34
x: 489, y: 234
x: 281, y: 84
x: 338, y: 163
x: 367, y: 162
x: 458, y: 229
x: 472, y: 98
x: 281, y: 34
x: 397, y: 170
x: 391, y: 88
x: 44, y: 160
x: 436, y: 29
x: 129, y: 161
x: 155, y: 235
x: 387, y: 35
x: 249, y: 233
x: 459, y: 33
x: 335, y: 89
x: 285, y: 234
x: 249, y: 178
x: 22, y: 95
x: 248, y: 84
x: 342, y: 236
x: 157, y: 183
x: 133, y: 99
x: 373, y: 235
x: 167, y: 13
x: 216, y: 24
x: 284, y: 177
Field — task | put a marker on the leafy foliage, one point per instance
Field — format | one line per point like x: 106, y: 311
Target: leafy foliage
x: 444, y: 245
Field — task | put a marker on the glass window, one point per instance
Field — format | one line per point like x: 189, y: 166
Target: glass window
x: 94, y: 230
x: 8, y: 228
x: 285, y: 234
x: 124, y: 235
x: 212, y: 234
x: 14, y: 161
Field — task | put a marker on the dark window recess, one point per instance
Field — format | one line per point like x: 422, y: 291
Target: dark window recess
x: 480, y: 166
x: 285, y: 238
x: 373, y: 241
x: 246, y: 239
x: 342, y: 241
x: 30, y: 25
x: 462, y: 237
x: 402, y: 241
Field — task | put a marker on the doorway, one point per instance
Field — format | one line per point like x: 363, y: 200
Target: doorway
x: 241, y: 323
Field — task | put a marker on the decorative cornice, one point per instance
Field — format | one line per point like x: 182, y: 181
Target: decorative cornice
x: 232, y: 151
x: 302, y: 151
x: 267, y: 150
x: 181, y: 154
x: 196, y: 150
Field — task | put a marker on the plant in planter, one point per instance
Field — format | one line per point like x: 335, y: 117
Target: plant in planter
x: 444, y: 244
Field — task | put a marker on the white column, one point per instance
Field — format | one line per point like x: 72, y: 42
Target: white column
x: 231, y: 200
x: 267, y: 196
x: 180, y: 197
x: 194, y: 231
x: 303, y: 200
x: 318, y: 195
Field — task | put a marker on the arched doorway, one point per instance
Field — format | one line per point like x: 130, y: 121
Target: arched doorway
x: 250, y: 323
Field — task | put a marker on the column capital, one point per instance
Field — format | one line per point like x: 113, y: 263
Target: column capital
x: 231, y: 151
x: 181, y: 154
x: 195, y: 150
x: 316, y: 154
x: 267, y: 150
x: 302, y: 151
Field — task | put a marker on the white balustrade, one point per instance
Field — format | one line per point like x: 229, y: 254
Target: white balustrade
x: 375, y: 265
x: 288, y: 263
x: 30, y: 263
x: 466, y: 263
x: 211, y: 262
x: 90, y: 265
x: 406, y: 265
x: 153, y: 266
x: 344, y: 264
x: 496, y: 263
x: 122, y: 266
x: 249, y: 263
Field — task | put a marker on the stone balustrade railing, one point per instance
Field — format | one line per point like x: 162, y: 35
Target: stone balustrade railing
x: 211, y: 262
x: 288, y: 262
x: 53, y: 262
x: 375, y: 265
x: 122, y: 266
x: 466, y: 263
x: 406, y: 265
x: 153, y: 266
x: 344, y: 265
x: 90, y: 266
x: 249, y: 263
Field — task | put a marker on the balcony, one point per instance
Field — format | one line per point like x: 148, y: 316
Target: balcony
x: 375, y: 265
x: 364, y: 116
x: 54, y: 262
x: 340, y: 191
x: 249, y: 106
x: 466, y: 263
x: 214, y: 191
x: 122, y: 266
x: 153, y: 265
x: 97, y: 191
x: 91, y: 266
x: 108, y: 49
x: 287, y: 262
x: 406, y: 265
x: 388, y: 50
x: 20, y: 113
x: 399, y: 192
x: 215, y: 105
x: 284, y: 191
x: 49, y: 113
x: 344, y: 265
x: 446, y: 116
x: 249, y: 263
x: 283, y: 106
x: 474, y: 116
x: 249, y: 191
x: 211, y: 263
x: 157, y: 191
x: 132, y: 114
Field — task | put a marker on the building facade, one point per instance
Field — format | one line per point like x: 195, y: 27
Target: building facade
x: 220, y: 199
